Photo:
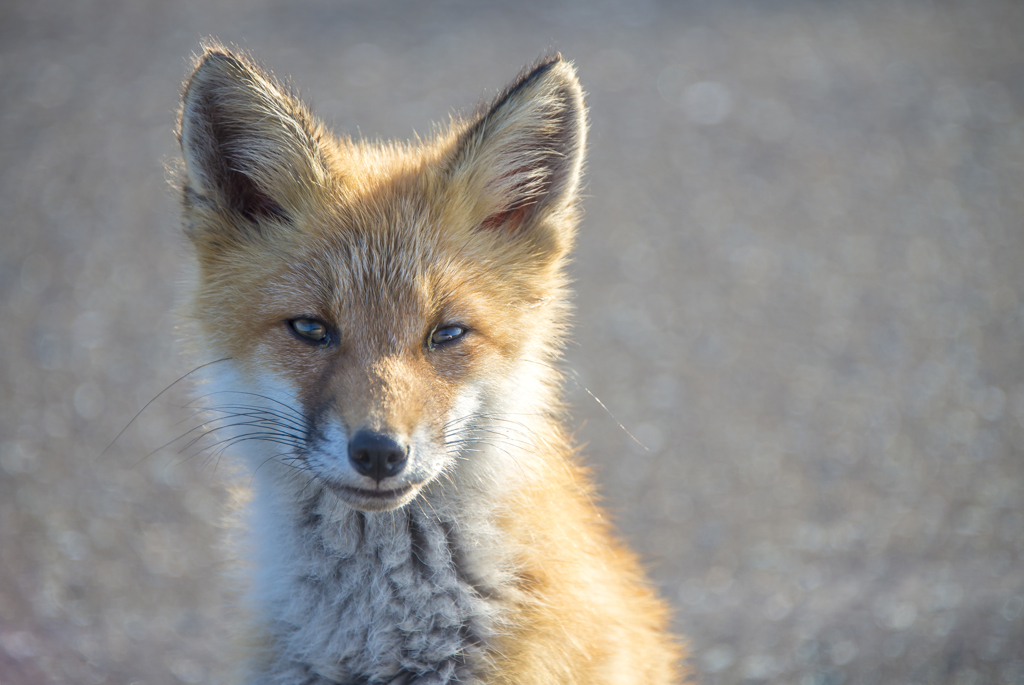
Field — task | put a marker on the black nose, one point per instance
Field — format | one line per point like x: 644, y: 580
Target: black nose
x: 376, y: 455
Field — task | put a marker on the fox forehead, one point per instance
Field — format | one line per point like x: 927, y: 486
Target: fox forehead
x: 382, y: 281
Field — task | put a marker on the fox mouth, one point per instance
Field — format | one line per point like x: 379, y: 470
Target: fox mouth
x: 375, y: 500
x: 395, y: 493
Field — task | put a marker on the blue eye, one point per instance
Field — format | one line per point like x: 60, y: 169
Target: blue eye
x: 311, y: 331
x: 446, y: 334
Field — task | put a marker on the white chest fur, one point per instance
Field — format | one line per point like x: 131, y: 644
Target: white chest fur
x: 354, y: 597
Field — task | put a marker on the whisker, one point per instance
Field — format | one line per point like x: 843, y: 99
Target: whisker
x: 255, y: 419
x: 254, y: 410
x: 575, y: 379
x: 265, y: 437
x: 210, y: 431
x: 266, y: 461
x: 203, y: 427
x: 217, y: 449
x: 158, y: 396
x: 293, y: 410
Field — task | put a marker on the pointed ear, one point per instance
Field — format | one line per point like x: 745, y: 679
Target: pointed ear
x: 521, y: 159
x: 252, y: 151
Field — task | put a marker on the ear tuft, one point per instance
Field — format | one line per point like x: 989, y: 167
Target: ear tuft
x: 522, y: 156
x: 250, y: 146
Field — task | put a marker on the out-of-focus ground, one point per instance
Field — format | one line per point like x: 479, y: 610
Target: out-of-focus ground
x: 801, y: 285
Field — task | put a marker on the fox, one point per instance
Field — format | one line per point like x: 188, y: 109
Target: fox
x: 388, y: 320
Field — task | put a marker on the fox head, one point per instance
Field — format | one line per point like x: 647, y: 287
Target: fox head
x: 390, y: 313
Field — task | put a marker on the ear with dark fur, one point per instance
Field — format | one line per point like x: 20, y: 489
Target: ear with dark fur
x: 250, y: 147
x: 522, y: 158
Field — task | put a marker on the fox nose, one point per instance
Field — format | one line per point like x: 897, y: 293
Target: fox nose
x: 376, y: 455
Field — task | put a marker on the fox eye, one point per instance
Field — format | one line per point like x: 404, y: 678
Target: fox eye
x: 311, y: 331
x: 446, y: 334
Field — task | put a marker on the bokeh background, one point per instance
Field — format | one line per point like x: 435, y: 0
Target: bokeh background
x: 800, y: 285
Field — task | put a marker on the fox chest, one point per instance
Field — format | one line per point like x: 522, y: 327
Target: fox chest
x: 380, y: 598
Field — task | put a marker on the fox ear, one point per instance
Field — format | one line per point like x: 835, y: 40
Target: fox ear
x: 250, y: 147
x: 522, y: 158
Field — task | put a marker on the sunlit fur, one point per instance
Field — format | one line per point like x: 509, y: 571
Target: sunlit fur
x: 486, y: 559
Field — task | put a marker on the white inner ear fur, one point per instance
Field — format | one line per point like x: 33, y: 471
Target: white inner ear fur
x: 528, y: 150
x: 237, y: 127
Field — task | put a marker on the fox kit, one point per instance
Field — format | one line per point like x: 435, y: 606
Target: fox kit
x: 388, y: 319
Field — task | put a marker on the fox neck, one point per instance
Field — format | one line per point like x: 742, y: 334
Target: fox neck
x: 353, y: 596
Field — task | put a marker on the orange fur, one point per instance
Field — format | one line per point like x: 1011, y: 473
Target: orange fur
x: 384, y: 245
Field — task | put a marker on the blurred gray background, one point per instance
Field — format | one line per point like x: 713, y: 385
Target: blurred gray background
x: 799, y: 279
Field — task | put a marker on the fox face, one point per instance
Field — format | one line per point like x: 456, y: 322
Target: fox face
x: 388, y: 310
